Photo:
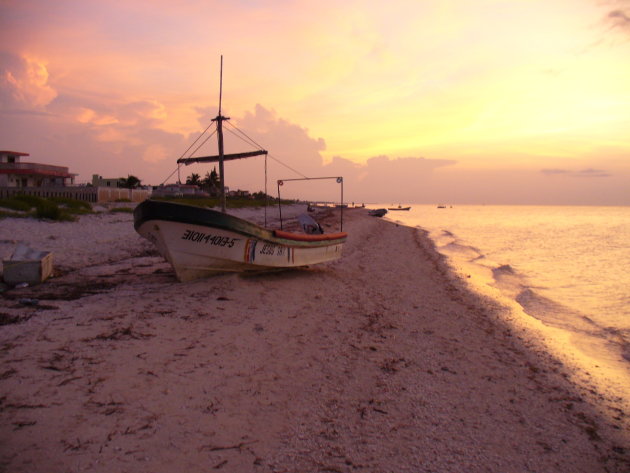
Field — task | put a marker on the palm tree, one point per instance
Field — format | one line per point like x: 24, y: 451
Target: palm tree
x: 211, y: 181
x: 194, y: 179
x: 130, y: 182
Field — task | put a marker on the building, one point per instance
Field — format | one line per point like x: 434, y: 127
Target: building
x: 238, y: 193
x: 43, y: 180
x: 100, y: 181
x: 15, y: 173
x: 179, y: 190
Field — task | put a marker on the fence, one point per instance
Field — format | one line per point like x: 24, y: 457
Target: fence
x: 87, y: 194
x: 112, y: 194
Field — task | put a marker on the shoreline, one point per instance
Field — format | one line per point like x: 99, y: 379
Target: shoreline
x: 591, y: 361
x: 381, y: 361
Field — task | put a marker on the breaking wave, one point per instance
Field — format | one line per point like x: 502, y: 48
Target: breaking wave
x: 532, y: 299
x: 448, y: 243
x: 564, y: 266
x: 552, y: 313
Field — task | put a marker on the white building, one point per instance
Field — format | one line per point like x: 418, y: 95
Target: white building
x: 15, y: 173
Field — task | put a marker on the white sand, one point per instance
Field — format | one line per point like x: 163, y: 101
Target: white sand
x: 378, y: 362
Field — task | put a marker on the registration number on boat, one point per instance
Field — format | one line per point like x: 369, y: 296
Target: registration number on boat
x: 269, y: 249
x: 216, y: 240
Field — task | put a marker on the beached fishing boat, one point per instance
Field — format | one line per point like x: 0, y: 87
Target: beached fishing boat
x: 200, y: 242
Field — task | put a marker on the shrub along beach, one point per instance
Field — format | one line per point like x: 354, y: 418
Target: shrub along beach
x: 55, y: 208
x: 381, y: 361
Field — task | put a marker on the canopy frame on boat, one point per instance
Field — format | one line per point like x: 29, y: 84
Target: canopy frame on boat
x: 339, y: 180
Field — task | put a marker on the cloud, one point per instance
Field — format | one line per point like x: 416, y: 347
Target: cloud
x: 24, y: 83
x: 593, y: 173
x: 620, y: 16
x: 155, y: 153
x: 554, y: 171
x: 114, y: 134
x: 90, y: 133
x: 587, y: 173
x: 385, y: 178
x: 294, y: 154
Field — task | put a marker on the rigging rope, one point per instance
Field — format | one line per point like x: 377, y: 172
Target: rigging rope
x: 198, y: 138
x: 193, y: 152
x: 204, y: 142
x: 249, y: 140
x: 240, y: 134
x: 169, y: 176
x: 288, y: 167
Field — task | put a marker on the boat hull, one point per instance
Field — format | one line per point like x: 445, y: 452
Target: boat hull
x: 200, y: 242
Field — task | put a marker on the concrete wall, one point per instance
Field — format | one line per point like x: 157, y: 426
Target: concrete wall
x: 87, y: 194
x: 111, y: 194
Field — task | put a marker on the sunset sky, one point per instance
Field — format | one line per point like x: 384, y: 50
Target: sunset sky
x: 487, y: 101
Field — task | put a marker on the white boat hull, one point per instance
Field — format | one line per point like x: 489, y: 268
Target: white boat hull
x: 200, y: 250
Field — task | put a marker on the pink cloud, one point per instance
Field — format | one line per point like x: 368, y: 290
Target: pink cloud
x: 24, y: 83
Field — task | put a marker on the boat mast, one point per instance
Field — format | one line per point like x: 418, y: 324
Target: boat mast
x: 219, y: 119
x: 221, y: 157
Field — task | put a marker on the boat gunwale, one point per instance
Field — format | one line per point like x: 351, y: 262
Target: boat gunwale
x: 189, y: 214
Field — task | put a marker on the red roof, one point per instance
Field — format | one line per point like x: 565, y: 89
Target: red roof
x: 35, y: 169
x: 37, y: 172
x: 15, y: 153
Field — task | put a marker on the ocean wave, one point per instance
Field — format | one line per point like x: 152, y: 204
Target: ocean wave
x: 448, y: 243
x: 621, y: 338
x: 554, y: 314
x: 509, y: 280
x: 517, y: 287
x: 504, y: 269
x: 568, y: 270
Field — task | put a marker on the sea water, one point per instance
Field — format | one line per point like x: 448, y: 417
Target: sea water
x: 567, y: 267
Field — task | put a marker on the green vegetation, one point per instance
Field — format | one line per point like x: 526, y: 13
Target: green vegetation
x: 50, y: 210
x: 128, y: 210
x: 55, y: 208
x: 210, y: 183
x: 15, y: 203
x: 194, y: 179
x: 64, y: 209
x: 129, y: 182
x: 73, y: 205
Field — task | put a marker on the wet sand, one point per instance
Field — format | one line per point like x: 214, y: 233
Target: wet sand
x: 378, y: 362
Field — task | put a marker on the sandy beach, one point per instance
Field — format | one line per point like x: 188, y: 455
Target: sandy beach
x: 378, y: 362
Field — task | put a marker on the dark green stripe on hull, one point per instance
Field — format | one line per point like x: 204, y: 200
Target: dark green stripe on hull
x: 174, y: 212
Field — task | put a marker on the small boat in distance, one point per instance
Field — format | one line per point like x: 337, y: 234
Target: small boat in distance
x: 377, y: 212
x: 441, y: 206
x: 200, y: 242
x: 398, y: 208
